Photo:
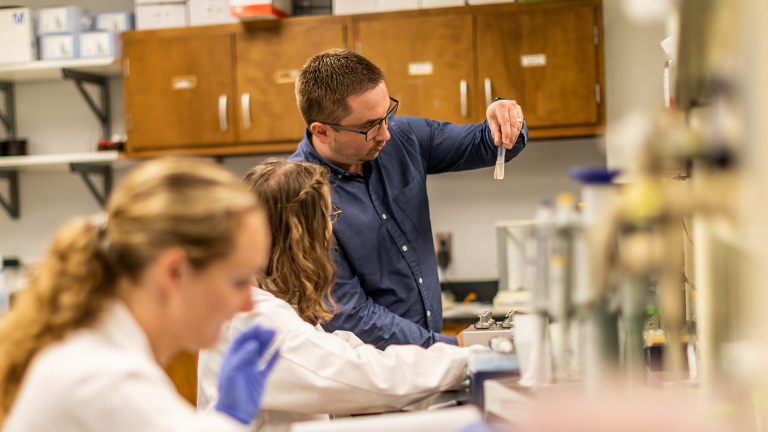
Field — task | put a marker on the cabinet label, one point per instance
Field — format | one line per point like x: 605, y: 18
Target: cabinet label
x: 420, y: 68
x: 183, y: 82
x: 533, y: 60
x: 286, y: 76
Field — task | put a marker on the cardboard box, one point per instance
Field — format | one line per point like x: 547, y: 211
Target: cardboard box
x: 312, y: 7
x: 17, y: 33
x: 161, y: 15
x: 427, y: 4
x: 116, y: 22
x: 68, y: 19
x: 209, y: 12
x: 59, y: 47
x: 258, y: 9
x: 350, y: 7
x: 99, y: 44
x: 396, y: 5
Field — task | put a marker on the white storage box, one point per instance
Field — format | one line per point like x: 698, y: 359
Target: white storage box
x: 99, y: 44
x: 116, y: 22
x: 479, y: 2
x: 68, y: 19
x: 161, y: 15
x: 350, y: 7
x: 396, y: 5
x: 59, y: 47
x: 427, y: 4
x: 17, y: 33
x: 256, y: 9
x: 209, y: 12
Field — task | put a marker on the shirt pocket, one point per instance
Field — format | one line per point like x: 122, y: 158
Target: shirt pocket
x: 413, y: 202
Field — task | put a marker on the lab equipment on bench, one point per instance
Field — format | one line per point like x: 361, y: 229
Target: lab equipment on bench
x: 500, y: 361
x: 481, y: 332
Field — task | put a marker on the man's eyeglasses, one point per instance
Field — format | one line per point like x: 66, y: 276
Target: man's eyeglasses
x: 335, y: 213
x: 373, y: 130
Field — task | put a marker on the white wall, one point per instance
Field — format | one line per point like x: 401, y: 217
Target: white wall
x: 634, y: 64
x: 55, y: 119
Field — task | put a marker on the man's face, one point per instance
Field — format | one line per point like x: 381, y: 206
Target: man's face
x: 365, y: 110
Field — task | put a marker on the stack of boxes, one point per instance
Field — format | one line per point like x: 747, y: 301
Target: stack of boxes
x: 158, y: 14
x: 155, y: 14
x: 71, y: 32
x: 349, y: 7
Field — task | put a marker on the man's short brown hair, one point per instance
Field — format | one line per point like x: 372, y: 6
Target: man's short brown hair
x: 328, y: 79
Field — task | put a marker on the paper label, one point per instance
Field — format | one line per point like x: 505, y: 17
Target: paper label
x: 533, y: 60
x: 286, y: 76
x: 184, y: 82
x: 420, y: 68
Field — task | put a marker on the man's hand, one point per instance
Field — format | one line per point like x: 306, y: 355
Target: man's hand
x: 505, y: 118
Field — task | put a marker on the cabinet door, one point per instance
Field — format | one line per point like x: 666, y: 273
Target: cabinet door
x: 269, y: 58
x: 545, y: 58
x: 427, y: 62
x: 178, y: 90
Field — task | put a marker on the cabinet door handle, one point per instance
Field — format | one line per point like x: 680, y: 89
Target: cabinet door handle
x: 245, y: 108
x: 463, y: 94
x: 487, y: 91
x: 223, y: 113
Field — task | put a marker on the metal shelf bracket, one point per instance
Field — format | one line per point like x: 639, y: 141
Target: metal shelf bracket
x: 8, y: 115
x: 105, y: 171
x: 11, y: 205
x: 101, y: 111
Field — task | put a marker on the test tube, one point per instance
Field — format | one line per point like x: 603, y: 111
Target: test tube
x: 498, y: 173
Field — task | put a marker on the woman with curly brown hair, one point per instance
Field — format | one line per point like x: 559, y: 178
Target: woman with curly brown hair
x: 112, y: 300
x: 319, y: 373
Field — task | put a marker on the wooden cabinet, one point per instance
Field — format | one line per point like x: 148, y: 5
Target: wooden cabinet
x: 178, y: 90
x: 268, y: 60
x: 427, y: 61
x: 230, y: 89
x: 220, y: 89
x: 548, y: 58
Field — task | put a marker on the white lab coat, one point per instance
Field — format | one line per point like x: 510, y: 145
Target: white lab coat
x: 320, y: 373
x: 105, y: 378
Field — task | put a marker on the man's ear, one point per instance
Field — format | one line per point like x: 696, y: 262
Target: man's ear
x: 173, y: 268
x: 322, y: 133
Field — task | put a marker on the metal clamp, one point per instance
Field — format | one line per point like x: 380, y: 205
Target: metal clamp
x: 509, y: 319
x: 485, y: 320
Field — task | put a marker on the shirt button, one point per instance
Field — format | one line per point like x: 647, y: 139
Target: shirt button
x: 421, y: 280
x: 405, y: 248
x: 429, y: 313
x: 384, y: 216
x: 339, y: 175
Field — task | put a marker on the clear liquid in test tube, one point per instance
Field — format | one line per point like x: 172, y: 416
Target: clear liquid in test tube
x: 498, y: 172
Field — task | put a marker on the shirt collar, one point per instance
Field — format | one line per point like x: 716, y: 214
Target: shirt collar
x: 307, y: 150
x: 120, y: 327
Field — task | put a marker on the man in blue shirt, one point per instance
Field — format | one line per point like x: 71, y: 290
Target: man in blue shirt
x: 387, y: 289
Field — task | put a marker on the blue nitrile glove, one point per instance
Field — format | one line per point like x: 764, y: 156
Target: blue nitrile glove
x: 241, y: 382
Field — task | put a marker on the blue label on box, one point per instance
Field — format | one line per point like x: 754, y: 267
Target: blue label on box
x: 18, y: 18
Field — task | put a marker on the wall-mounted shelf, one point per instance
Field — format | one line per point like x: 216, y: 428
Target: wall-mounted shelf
x: 55, y: 162
x: 47, y: 70
x: 95, y: 72
x: 86, y: 164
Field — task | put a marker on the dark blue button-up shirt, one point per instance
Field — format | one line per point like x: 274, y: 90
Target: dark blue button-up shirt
x: 388, y: 290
